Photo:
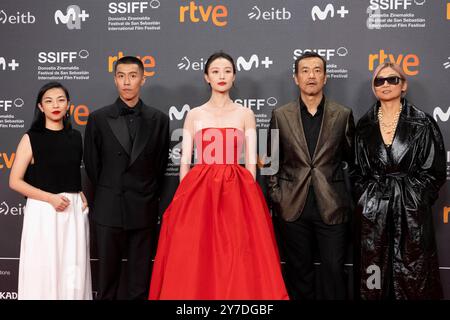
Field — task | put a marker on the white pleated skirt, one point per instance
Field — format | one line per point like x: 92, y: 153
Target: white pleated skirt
x: 54, y: 252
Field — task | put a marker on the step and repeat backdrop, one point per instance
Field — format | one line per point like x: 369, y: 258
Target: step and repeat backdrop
x: 77, y: 43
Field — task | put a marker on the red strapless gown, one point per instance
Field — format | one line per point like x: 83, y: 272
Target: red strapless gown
x: 217, y: 240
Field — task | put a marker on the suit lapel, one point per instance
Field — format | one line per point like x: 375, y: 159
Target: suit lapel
x: 292, y: 115
x: 120, y: 129
x: 329, y: 118
x: 143, y: 134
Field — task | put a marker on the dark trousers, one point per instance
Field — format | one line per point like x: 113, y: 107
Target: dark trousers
x: 112, y: 245
x: 297, y: 241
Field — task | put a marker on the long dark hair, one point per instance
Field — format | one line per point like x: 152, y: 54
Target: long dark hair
x: 38, y: 123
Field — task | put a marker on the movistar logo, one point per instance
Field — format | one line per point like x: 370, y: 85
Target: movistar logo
x: 438, y: 113
x: 73, y: 17
x: 178, y: 115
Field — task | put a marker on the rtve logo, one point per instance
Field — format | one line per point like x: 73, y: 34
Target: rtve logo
x: 18, y: 18
x: 409, y: 62
x: 73, y: 17
x: 448, y: 11
x: 79, y: 114
x: 61, y: 56
x: 7, y: 160
x: 446, y: 214
x: 8, y: 104
x: 11, y: 65
x: 148, y: 62
x: 217, y: 14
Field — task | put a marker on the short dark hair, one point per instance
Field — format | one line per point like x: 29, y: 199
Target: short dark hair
x: 218, y: 55
x: 38, y: 123
x: 129, y: 60
x: 310, y: 54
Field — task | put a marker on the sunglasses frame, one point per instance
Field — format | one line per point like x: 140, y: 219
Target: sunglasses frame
x: 393, y: 80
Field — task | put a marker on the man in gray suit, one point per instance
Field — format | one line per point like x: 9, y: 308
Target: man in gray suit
x: 310, y: 200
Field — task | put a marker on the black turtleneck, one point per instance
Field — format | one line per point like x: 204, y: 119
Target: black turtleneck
x: 132, y: 116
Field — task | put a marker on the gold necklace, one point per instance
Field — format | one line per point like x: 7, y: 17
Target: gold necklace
x: 388, y: 128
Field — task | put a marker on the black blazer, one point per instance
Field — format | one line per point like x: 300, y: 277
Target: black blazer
x: 127, y: 178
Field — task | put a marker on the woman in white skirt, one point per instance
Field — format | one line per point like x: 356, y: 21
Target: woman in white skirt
x: 54, y: 251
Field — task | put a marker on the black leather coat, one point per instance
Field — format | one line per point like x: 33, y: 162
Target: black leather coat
x: 395, y: 189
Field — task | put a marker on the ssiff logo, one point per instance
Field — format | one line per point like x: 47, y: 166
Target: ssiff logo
x: 255, y: 103
x: 318, y: 13
x: 409, y: 62
x: 62, y: 56
x: 325, y: 53
x: 73, y: 17
x: 132, y: 7
x: 217, y: 14
x: 394, y: 4
x: 148, y: 62
x: 8, y: 104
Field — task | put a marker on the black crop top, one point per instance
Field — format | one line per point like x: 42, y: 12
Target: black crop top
x: 57, y: 158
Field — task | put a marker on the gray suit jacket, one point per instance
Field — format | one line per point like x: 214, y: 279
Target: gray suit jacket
x: 298, y: 169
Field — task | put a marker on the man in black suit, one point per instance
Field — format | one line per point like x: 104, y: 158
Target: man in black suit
x: 125, y: 156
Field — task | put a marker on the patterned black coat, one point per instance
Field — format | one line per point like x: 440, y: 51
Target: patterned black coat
x: 395, y: 189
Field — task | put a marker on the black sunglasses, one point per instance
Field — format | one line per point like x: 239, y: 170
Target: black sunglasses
x: 379, y: 81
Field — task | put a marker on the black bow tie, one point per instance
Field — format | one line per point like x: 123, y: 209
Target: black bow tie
x: 126, y: 111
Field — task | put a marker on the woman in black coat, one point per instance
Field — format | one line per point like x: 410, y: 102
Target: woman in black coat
x: 400, y: 167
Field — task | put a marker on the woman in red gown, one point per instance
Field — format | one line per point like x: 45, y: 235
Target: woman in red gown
x: 217, y: 239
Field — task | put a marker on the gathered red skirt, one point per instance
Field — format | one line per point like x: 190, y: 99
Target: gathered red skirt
x: 217, y: 240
